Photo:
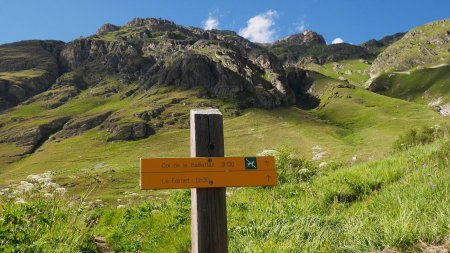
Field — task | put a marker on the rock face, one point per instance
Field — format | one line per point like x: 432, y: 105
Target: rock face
x: 32, y: 138
x: 307, y: 37
x: 106, y: 28
x: 425, y: 45
x: 300, y: 82
x: 152, y: 114
x: 310, y: 47
x: 78, y: 126
x: 27, y: 68
x: 157, y: 53
x: 145, y: 56
x: 129, y: 131
x: 153, y: 53
x: 376, y: 46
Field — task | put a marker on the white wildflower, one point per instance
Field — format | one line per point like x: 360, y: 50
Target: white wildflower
x: 120, y: 206
x: 20, y: 201
x: 41, y: 179
x: 24, y: 186
x: 322, y: 164
x: 60, y: 190
x: 48, y: 195
x: 50, y: 185
x: 317, y: 156
x: 33, y: 178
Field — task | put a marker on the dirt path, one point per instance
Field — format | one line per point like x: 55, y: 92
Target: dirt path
x: 102, y: 245
x: 438, y: 66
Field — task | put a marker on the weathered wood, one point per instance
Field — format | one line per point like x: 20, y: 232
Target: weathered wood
x: 209, y: 215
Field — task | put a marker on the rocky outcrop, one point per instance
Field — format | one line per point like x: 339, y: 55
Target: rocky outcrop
x: 310, y: 47
x: 376, y: 46
x: 157, y: 52
x: 308, y: 37
x: 54, y: 97
x: 66, y: 87
x: 151, y: 114
x: 27, y: 68
x: 106, y: 28
x: 113, y: 56
x: 227, y: 76
x: 74, y: 79
x: 32, y: 138
x: 425, y: 45
x: 128, y: 131
x: 300, y: 82
x: 80, y: 125
x: 154, y: 53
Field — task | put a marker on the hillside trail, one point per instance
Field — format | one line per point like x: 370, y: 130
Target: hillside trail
x: 438, y: 66
x: 102, y: 245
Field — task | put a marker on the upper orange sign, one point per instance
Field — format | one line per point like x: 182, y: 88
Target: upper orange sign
x: 207, y: 172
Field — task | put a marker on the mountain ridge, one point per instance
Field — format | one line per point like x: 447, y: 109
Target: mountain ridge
x: 132, y: 81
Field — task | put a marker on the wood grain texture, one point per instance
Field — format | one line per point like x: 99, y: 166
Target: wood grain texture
x: 209, y: 215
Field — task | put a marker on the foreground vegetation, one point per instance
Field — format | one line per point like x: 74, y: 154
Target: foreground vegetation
x: 398, y: 203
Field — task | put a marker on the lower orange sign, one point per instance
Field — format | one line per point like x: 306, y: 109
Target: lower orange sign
x: 207, y: 172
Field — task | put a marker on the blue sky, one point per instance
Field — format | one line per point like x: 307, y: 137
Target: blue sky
x: 354, y: 21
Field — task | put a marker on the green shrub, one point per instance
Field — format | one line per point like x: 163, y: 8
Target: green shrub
x: 293, y: 169
x: 42, y: 225
x: 414, y: 137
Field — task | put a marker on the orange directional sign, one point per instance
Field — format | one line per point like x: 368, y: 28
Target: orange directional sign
x: 207, y: 172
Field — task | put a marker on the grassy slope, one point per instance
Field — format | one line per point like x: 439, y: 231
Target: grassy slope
x: 359, y: 70
x: 420, y: 86
x: 339, y: 211
x: 415, y: 49
x: 17, y: 76
x: 348, y: 123
x: 399, y: 202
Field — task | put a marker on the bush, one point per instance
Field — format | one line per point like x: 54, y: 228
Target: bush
x: 42, y: 225
x: 293, y: 169
x: 414, y: 137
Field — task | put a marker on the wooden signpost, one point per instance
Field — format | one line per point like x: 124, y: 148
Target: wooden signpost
x: 207, y: 173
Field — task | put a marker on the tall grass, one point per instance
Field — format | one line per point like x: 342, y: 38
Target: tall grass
x: 395, y: 203
x: 42, y: 224
x: 398, y: 203
x: 424, y: 136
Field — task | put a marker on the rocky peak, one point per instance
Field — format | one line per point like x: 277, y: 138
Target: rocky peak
x: 307, y: 37
x: 375, y: 46
x: 106, y: 28
x: 152, y: 23
x: 428, y: 44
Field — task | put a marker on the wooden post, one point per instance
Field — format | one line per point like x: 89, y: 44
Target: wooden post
x: 209, y: 215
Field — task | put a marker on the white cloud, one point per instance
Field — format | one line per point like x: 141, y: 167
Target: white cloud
x: 211, y: 22
x: 302, y: 26
x: 260, y: 27
x: 337, y: 41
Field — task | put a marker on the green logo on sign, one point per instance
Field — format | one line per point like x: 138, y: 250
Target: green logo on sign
x: 250, y: 163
